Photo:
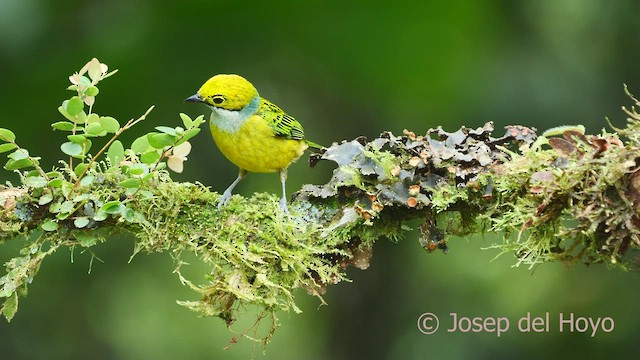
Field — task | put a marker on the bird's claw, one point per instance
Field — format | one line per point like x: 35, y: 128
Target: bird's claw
x: 224, y: 199
x: 283, y: 205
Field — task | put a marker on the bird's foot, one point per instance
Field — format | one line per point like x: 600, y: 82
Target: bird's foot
x: 224, y: 199
x: 283, y: 205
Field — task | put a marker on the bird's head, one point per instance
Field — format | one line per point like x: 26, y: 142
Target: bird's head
x: 228, y: 92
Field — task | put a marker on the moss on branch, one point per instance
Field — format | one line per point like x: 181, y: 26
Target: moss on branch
x: 563, y: 196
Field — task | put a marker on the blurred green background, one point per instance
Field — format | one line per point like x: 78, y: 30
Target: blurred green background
x: 343, y: 69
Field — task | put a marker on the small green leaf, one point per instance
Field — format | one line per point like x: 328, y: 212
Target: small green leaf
x: 85, y: 238
x: 91, y: 91
x: 160, y: 141
x: 75, y: 106
x: 81, y: 222
x: 35, y: 182
x: 10, y: 306
x: 55, y: 207
x: 113, y: 207
x: 71, y: 149
x: 150, y: 157
x: 186, y: 120
x: 131, y: 183
x: 167, y: 130
x: 63, y: 125
x: 50, y: 226
x: 81, y: 118
x: 7, y: 135
x: 94, y: 129
x: 67, y: 207
x: 80, y: 198
x: 19, y: 154
x: 116, y: 153
x: 93, y: 118
x: 18, y: 164
x: 129, y: 215
x: 188, y: 135
x: 86, y: 146
x: 199, y: 121
x: 61, y: 110
x: 45, y: 199
x: 55, y: 183
x: 109, y: 124
x: 7, y: 147
x: 78, y: 139
x: 100, y: 215
x: 140, y: 145
x: 87, y: 180
x: 54, y: 174
x: 138, y: 169
x: 80, y: 169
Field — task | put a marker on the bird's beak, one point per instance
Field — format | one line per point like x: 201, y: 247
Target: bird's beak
x: 195, y: 98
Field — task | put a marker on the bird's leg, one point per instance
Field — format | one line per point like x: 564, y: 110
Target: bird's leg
x: 227, y: 193
x: 283, y: 201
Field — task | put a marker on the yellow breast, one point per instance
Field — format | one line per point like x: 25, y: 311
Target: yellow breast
x: 254, y: 148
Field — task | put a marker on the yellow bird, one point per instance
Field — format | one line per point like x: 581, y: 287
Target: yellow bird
x: 250, y: 131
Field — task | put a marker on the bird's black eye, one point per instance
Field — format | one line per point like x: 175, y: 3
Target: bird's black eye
x: 217, y: 99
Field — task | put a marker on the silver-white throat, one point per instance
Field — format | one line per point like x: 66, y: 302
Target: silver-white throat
x: 232, y: 120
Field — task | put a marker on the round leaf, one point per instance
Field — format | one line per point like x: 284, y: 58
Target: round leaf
x: 45, y: 199
x: 71, y: 149
x: 56, y: 183
x: 150, y: 157
x: 189, y: 134
x: 93, y: 129
x: 131, y: 183
x: 116, y: 153
x: 75, y: 106
x: 63, y: 125
x: 81, y: 222
x: 7, y: 147
x: 93, y: 118
x: 85, y: 238
x: 78, y: 139
x: 138, y: 169
x: 18, y: 164
x: 63, y: 111
x: 140, y: 145
x: 100, y: 215
x: 50, y: 226
x: 166, y: 130
x: 7, y: 135
x: 80, y: 169
x: 160, y: 141
x: 91, y: 91
x: 87, y: 180
x: 109, y: 124
x: 186, y: 120
x: 113, y: 207
x: 35, y: 181
x: 19, y: 154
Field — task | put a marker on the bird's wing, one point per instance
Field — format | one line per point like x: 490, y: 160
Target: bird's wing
x: 283, y: 125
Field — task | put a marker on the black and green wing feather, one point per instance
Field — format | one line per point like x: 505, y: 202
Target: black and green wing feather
x: 284, y: 125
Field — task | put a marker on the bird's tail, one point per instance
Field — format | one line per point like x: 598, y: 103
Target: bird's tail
x: 313, y: 145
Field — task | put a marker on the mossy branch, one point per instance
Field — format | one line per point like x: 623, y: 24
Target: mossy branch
x: 564, y: 196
